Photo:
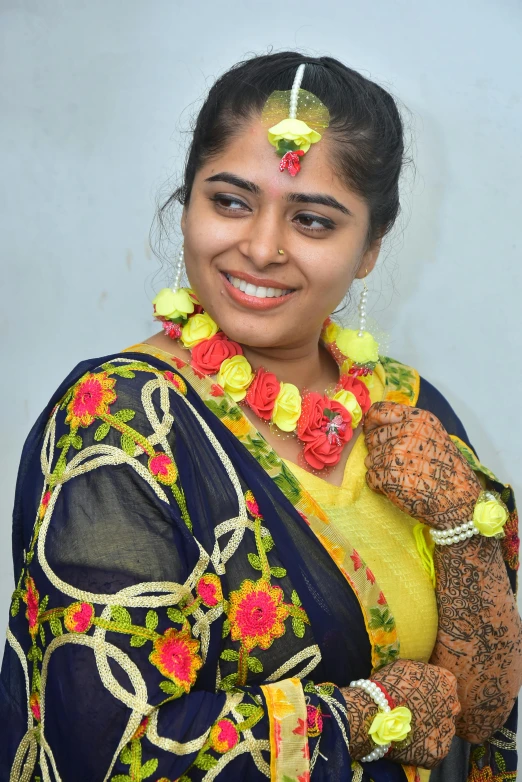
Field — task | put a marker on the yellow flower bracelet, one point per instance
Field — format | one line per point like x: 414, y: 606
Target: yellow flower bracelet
x: 489, y: 517
x: 391, y: 723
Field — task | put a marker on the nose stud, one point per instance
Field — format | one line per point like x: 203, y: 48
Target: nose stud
x: 281, y: 252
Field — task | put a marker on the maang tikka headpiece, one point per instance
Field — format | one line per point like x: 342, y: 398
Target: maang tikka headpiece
x: 299, y: 115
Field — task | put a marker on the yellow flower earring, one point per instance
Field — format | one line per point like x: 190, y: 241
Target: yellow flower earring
x: 172, y: 306
x: 292, y: 137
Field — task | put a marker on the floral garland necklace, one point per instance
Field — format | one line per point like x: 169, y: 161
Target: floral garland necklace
x: 324, y: 423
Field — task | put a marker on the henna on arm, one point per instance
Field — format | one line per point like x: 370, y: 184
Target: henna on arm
x: 413, y: 461
x: 480, y: 635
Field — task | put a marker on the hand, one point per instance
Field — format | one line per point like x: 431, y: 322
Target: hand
x: 429, y: 692
x: 413, y: 461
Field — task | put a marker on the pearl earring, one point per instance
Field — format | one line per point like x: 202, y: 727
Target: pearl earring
x: 362, y: 310
x: 179, y: 269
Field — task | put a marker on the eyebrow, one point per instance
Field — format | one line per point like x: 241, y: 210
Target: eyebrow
x: 299, y: 198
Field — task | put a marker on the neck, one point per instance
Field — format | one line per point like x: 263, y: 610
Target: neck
x: 307, y: 366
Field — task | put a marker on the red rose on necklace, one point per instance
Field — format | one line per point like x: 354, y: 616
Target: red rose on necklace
x: 325, y: 428
x: 358, y: 389
x: 262, y: 392
x: 207, y: 356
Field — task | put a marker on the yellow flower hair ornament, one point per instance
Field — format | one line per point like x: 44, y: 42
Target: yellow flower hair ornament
x: 292, y: 136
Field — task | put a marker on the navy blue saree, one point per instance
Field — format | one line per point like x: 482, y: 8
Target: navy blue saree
x: 175, y: 615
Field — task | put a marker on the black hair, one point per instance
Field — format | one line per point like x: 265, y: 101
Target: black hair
x: 365, y: 126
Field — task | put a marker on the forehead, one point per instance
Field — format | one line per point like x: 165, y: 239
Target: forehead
x: 250, y: 155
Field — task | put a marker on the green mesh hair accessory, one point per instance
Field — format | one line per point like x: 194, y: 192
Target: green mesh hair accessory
x: 293, y: 119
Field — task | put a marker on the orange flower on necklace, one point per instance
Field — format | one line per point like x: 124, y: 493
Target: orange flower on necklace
x: 257, y: 614
x: 91, y: 398
x: 32, y: 599
x: 176, y: 656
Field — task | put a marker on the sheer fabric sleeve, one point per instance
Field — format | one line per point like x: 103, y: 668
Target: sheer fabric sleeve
x: 124, y: 602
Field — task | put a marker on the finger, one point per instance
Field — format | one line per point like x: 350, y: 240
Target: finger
x: 374, y: 481
x: 381, y: 413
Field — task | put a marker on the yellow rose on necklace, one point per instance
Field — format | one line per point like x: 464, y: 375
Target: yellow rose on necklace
x: 287, y: 407
x: 490, y: 515
x: 293, y: 130
x: 362, y: 350
x: 173, y: 304
x: 391, y: 725
x: 197, y: 329
x: 348, y: 400
x: 235, y: 375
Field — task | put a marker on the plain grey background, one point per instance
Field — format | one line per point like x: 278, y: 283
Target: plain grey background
x: 96, y: 97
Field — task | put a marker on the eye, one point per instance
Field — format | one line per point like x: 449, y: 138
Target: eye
x: 228, y: 203
x: 324, y: 223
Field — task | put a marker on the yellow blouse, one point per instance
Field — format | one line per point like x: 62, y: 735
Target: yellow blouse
x: 383, y: 536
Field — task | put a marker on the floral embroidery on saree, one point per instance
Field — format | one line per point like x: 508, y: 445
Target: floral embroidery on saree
x: 175, y: 629
x: 398, y: 379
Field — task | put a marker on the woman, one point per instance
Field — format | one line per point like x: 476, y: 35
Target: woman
x: 222, y: 533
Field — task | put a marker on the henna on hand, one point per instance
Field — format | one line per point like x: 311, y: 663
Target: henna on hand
x: 413, y: 461
x: 361, y: 710
x: 429, y: 692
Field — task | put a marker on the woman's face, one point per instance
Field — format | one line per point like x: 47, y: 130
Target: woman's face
x: 242, y: 210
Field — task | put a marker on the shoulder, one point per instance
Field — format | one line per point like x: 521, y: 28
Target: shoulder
x: 404, y: 384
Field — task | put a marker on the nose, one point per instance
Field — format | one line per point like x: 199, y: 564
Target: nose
x: 264, y: 237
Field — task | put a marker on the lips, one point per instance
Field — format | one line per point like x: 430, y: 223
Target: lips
x: 253, y: 295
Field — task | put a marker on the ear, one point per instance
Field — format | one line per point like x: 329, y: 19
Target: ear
x: 369, y: 259
x: 183, y: 219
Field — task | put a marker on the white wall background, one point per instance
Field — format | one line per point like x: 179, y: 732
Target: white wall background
x: 94, y: 96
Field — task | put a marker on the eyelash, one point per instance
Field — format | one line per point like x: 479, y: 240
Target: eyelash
x: 324, y: 221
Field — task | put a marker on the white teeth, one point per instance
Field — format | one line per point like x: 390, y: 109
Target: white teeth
x: 252, y: 290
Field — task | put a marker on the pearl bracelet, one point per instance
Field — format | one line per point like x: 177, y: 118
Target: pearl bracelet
x: 377, y: 695
x: 447, y: 536
x: 489, y: 517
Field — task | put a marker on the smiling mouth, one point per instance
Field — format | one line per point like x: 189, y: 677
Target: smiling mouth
x: 258, y: 292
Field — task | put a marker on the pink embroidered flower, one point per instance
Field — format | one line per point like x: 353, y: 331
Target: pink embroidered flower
x: 356, y: 559
x: 304, y: 777
x: 257, y: 614
x: 381, y: 599
x: 209, y: 590
x: 141, y: 729
x: 370, y: 576
x: 163, y: 469
x: 32, y: 599
x: 314, y: 719
x: 34, y: 705
x: 91, y: 398
x: 216, y: 390
x: 176, y: 656
x: 223, y: 736
x: 44, y: 503
x: 177, y: 382
x: 251, y: 504
x: 78, y: 617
